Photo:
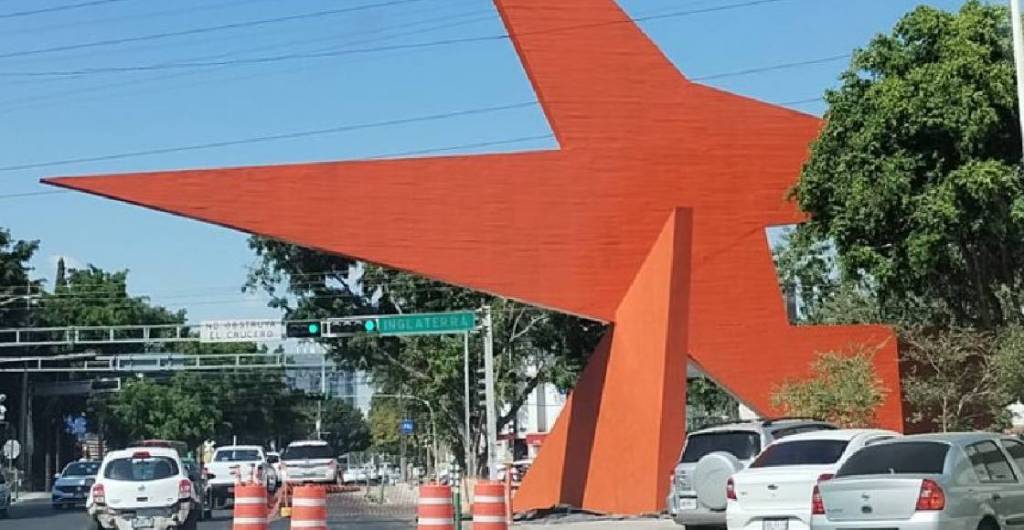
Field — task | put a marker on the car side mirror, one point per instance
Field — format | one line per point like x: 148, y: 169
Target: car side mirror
x: 56, y: 476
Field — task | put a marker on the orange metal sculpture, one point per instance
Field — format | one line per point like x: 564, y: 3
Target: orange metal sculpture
x: 650, y: 215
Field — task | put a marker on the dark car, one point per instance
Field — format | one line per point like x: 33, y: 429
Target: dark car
x: 71, y: 486
x: 198, y: 478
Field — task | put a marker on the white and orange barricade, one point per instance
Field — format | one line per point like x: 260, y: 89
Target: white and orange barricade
x: 250, y: 507
x: 309, y: 508
x: 489, y: 506
x: 435, y: 511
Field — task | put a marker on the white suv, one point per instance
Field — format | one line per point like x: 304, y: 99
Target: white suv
x: 774, y: 491
x: 309, y: 461
x: 711, y: 455
x: 143, y: 488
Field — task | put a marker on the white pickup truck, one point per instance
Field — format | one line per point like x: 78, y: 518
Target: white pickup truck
x: 237, y: 463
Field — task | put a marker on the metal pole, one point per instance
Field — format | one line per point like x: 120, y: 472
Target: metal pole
x: 467, y: 397
x: 490, y: 402
x: 1018, y: 56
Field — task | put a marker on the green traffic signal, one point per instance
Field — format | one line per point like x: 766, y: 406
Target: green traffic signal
x: 314, y: 328
x: 369, y: 326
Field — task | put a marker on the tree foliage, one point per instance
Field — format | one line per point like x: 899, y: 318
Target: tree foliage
x: 146, y: 409
x: 344, y: 427
x: 959, y: 379
x: 915, y: 177
x: 843, y: 389
x: 531, y: 346
x: 15, y: 283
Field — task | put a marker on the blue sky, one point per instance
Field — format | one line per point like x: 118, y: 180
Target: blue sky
x: 186, y: 264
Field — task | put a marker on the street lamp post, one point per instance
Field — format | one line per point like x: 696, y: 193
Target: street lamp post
x: 1018, y: 57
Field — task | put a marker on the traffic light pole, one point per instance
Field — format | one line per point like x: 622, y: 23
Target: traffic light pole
x: 470, y: 468
x: 491, y: 402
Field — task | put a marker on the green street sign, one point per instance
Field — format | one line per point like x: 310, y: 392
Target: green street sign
x: 425, y: 323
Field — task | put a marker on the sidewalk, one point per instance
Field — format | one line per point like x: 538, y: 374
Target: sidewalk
x: 32, y: 496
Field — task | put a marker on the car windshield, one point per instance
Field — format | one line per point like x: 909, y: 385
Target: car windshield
x: 741, y: 444
x: 236, y: 455
x: 81, y: 469
x: 897, y: 458
x: 307, y: 452
x: 802, y: 452
x: 141, y: 469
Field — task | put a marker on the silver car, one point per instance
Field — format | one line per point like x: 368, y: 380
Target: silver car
x: 711, y: 455
x: 950, y: 481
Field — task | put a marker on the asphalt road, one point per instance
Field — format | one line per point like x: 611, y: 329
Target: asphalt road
x: 39, y: 515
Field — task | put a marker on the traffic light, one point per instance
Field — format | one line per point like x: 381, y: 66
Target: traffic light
x: 305, y: 329
x: 348, y: 327
x: 481, y: 386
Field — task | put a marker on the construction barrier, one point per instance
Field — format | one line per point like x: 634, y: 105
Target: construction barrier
x: 250, y: 507
x: 434, y: 510
x: 489, y: 506
x: 309, y: 508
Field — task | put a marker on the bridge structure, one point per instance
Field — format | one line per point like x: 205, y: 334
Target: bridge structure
x: 650, y: 214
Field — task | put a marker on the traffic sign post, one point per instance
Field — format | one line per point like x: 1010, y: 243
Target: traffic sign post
x: 406, y: 426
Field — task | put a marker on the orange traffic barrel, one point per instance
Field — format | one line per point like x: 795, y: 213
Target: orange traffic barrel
x: 489, y: 506
x: 435, y: 510
x: 250, y: 507
x: 309, y: 508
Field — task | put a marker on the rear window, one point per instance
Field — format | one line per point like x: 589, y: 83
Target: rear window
x: 236, y: 455
x: 804, y: 452
x: 307, y: 452
x: 141, y: 469
x: 897, y: 458
x: 81, y: 469
x: 741, y: 444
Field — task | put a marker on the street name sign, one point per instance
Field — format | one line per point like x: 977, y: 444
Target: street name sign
x: 425, y: 323
x: 251, y: 330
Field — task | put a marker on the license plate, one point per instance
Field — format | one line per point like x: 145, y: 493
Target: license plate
x: 775, y: 524
x: 689, y: 504
x: 142, y: 522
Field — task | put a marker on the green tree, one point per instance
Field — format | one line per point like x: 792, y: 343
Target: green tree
x: 532, y: 346
x: 344, y: 427
x: 15, y: 284
x: 385, y: 414
x: 707, y: 402
x: 843, y: 389
x: 915, y: 177
x: 147, y: 409
x: 94, y: 297
x: 959, y: 379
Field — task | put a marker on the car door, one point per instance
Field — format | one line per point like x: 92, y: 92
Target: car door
x: 1015, y: 449
x: 998, y: 480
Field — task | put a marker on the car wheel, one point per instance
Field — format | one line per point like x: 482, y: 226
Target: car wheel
x: 988, y: 524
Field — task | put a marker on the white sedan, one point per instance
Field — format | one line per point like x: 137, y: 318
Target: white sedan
x: 774, y: 493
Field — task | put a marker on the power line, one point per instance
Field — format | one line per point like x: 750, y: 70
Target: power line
x: 335, y: 53
x: 276, y: 137
x: 774, y: 67
x: 202, y: 30
x: 62, y: 95
x: 54, y: 9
